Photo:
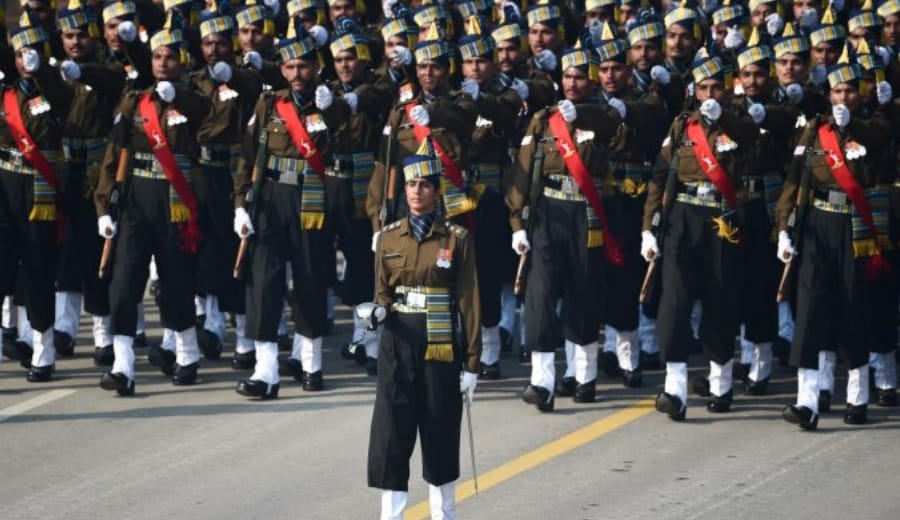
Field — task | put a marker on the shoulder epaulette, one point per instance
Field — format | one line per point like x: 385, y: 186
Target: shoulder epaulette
x: 393, y: 225
x: 458, y: 230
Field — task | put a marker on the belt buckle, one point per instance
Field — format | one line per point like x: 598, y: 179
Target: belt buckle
x: 703, y: 190
x: 569, y: 187
x: 340, y: 164
x: 416, y: 300
x: 837, y: 198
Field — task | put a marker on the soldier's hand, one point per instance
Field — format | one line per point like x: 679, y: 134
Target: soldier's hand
x: 818, y: 74
x: 649, y: 247
x: 370, y: 315
x: 253, y: 59
x: 567, y: 109
x: 520, y: 242
x: 274, y: 5
x: 619, y: 106
x: 521, y: 88
x: 166, y: 91
x: 242, y: 224
x: 660, y: 75
x: 401, y: 57
x: 470, y: 87
x: 774, y: 24
x: 387, y: 8
x: 794, y: 92
x: 324, y: 97
x: 757, y: 111
x: 884, y: 92
x: 467, y: 383
x: 734, y: 38
x: 106, y: 228
x: 546, y: 60
x: 808, y: 17
x: 711, y: 110
x: 352, y: 100
x: 786, y: 249
x: 841, y: 115
x: 127, y: 31
x: 31, y: 60
x: 420, y: 116
x: 320, y: 34
x: 375, y: 237
x: 220, y: 72
x: 70, y: 70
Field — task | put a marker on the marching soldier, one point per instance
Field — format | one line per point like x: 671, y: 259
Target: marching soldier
x: 31, y: 190
x: 256, y: 30
x: 153, y: 146
x: 683, y: 38
x: 841, y: 242
x: 699, y: 223
x: 287, y: 149
x: 562, y: 152
x: 123, y: 44
x: 426, y: 266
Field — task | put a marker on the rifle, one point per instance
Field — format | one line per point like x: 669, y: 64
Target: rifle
x: 114, y: 207
x: 668, y: 196
x: 799, y: 217
x: 534, y: 192
x: 387, y: 212
x: 259, y: 165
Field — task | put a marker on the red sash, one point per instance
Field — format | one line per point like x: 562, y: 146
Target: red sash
x: 300, y: 136
x: 33, y: 155
x: 707, y: 161
x: 877, y: 264
x: 582, y: 177
x: 189, y: 232
x: 451, y: 169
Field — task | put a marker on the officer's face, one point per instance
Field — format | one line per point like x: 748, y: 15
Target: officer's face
x: 420, y: 196
x: 216, y: 48
x: 710, y: 89
x: 845, y: 94
x: 824, y: 54
x: 541, y: 37
x: 390, y: 44
x: 577, y: 86
x: 432, y: 77
x: 343, y: 8
x: 680, y: 43
x: 347, y: 67
x: 479, y: 69
x: 251, y: 38
x: 790, y: 68
x: 600, y: 14
x: 626, y: 12
x: 614, y: 76
x: 111, y: 35
x: 299, y: 74
x: 77, y: 44
x: 800, y: 5
x: 754, y: 80
x: 758, y: 17
x: 165, y: 64
x: 20, y: 65
x: 508, y: 54
x: 720, y: 31
x: 891, y: 29
x: 644, y: 55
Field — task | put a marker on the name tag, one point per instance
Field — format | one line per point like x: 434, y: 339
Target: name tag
x: 837, y: 198
x: 416, y: 300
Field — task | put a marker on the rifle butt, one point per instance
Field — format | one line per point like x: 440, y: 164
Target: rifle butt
x: 521, y: 270
x: 239, y: 260
x: 644, y: 295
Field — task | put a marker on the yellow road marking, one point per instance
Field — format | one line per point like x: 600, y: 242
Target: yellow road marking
x: 540, y: 455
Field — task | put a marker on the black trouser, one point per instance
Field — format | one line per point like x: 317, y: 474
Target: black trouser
x: 625, y: 281
x: 79, y: 257
x: 31, y: 243
x: 279, y: 240
x: 562, y: 266
x: 833, y: 299
x: 220, y: 244
x: 354, y: 235
x: 698, y: 266
x: 885, y: 295
x: 762, y: 272
x: 492, y: 237
x: 145, y: 230
x: 413, y: 395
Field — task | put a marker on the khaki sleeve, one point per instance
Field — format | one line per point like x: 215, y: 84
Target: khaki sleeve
x: 119, y: 136
x: 519, y: 181
x: 243, y: 177
x: 468, y: 302
x: 657, y: 184
x: 787, y: 201
x: 376, y: 190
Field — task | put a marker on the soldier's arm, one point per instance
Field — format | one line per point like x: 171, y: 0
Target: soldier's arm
x: 519, y: 181
x: 467, y: 299
x: 140, y: 58
x: 780, y: 120
x: 271, y: 74
x: 872, y: 132
x: 384, y: 293
x: 600, y: 118
x: 541, y: 93
x: 458, y: 115
x: 787, y: 201
x: 337, y: 113
x: 373, y: 99
x: 52, y: 86
x: 194, y: 105
x: 106, y: 79
x: 375, y: 196
x: 502, y: 108
x: 657, y: 184
x: 243, y: 177
x: 247, y: 83
x: 119, y: 136
x: 739, y: 126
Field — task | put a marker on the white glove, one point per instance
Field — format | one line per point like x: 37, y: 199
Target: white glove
x: 470, y: 87
x: 711, y: 109
x: 808, y: 17
x: 774, y: 24
x: 220, y: 72
x: 885, y: 92
x: 402, y: 56
x: 352, y: 100
x: 786, y: 249
x: 794, y: 93
x: 521, y: 88
x: 375, y: 236
x: 320, y: 34
x: 370, y: 315
x: 419, y: 115
x: 649, y: 248
x: 70, y: 70
x: 274, y: 5
x: 734, y: 38
x: 884, y: 53
x: 242, y: 225
x: 386, y: 8
x: 596, y: 30
x: 841, y: 115
x: 31, y: 60
x: 520, y: 242
x: 253, y: 59
x: 818, y: 74
x: 467, y: 383
x: 757, y: 111
x: 660, y: 75
x: 513, y: 5
x: 546, y: 60
x: 166, y: 91
x: 619, y: 106
x: 106, y: 228
x: 838, y: 5
x: 324, y: 97
x: 567, y: 109
x: 127, y: 31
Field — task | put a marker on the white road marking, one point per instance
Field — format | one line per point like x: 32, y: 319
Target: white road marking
x: 31, y: 404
